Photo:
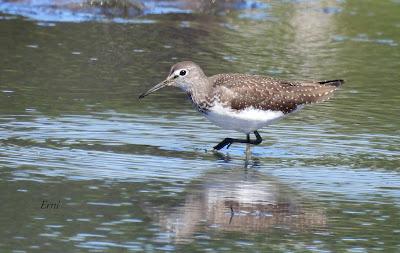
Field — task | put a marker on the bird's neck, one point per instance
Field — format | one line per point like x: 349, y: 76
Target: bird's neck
x: 200, y: 92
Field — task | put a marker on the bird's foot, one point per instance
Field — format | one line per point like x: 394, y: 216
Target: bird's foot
x: 226, y: 142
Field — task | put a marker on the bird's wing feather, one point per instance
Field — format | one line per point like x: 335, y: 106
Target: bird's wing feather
x: 268, y: 93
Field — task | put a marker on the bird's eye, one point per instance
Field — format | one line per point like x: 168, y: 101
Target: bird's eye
x: 182, y: 73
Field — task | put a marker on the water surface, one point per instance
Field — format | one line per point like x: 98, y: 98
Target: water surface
x: 135, y: 175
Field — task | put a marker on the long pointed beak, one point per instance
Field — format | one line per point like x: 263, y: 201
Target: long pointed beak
x: 157, y: 87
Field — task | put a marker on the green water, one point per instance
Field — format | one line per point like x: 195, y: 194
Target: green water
x: 133, y: 175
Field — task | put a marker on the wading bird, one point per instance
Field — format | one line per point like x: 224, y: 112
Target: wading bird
x: 242, y: 102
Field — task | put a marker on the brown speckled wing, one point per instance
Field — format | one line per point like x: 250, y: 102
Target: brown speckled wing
x: 267, y: 93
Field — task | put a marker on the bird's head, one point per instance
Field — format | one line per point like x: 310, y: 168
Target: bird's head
x: 184, y: 75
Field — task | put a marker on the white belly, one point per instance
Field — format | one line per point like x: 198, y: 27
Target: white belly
x: 245, y: 121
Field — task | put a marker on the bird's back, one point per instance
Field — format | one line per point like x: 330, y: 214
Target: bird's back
x: 241, y: 91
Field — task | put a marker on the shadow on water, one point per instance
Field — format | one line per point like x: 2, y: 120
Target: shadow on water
x: 237, y: 199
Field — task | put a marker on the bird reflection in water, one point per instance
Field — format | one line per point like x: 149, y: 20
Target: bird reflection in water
x: 238, y: 199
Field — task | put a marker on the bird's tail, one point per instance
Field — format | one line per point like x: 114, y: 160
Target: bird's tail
x: 336, y: 83
x: 315, y: 92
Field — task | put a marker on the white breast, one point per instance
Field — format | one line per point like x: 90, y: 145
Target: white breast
x: 245, y: 121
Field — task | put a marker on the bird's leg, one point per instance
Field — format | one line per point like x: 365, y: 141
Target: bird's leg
x: 248, y: 149
x: 258, y: 138
x: 228, y: 141
x: 232, y: 214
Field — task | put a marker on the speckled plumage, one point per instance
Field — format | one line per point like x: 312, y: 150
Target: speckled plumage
x: 240, y: 91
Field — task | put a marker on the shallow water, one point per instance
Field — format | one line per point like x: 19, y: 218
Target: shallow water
x: 135, y: 175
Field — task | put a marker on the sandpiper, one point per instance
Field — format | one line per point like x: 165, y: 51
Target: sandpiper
x: 242, y: 102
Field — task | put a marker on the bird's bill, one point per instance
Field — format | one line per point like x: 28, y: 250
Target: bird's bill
x: 155, y: 88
